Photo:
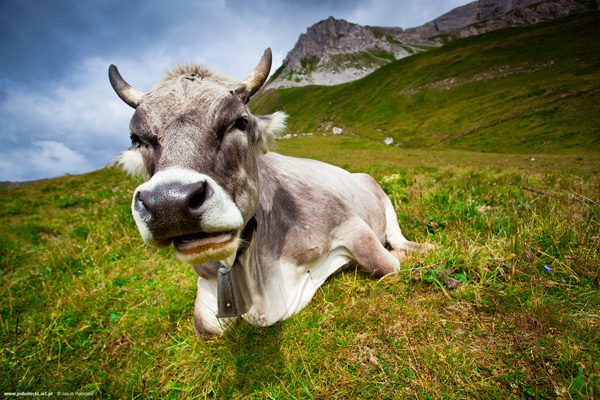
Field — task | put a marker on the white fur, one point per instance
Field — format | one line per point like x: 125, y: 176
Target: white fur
x: 288, y: 289
x: 220, y: 212
x: 268, y: 127
x: 393, y: 233
x: 131, y: 161
x: 276, y: 124
x: 292, y: 288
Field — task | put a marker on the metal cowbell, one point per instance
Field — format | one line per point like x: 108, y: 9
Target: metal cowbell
x: 232, y: 292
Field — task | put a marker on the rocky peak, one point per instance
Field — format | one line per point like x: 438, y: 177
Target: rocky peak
x: 334, y: 51
x: 332, y: 36
x: 486, y: 15
x: 455, y: 19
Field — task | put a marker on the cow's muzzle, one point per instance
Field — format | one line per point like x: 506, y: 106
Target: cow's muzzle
x: 172, y: 210
x: 189, y: 210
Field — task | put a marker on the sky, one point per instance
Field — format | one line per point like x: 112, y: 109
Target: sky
x: 58, y: 112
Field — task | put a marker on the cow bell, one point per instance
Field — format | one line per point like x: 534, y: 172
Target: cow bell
x: 233, y: 298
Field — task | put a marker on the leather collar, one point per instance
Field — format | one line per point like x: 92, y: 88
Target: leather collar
x: 246, y: 237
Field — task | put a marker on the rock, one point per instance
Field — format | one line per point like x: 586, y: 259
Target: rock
x: 335, y: 51
x: 488, y: 15
x: 451, y: 283
x: 337, y: 131
x: 388, y: 140
x: 455, y: 19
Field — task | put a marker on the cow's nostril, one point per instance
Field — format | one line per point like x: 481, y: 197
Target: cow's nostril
x: 141, y: 208
x: 199, y: 196
x: 168, y: 207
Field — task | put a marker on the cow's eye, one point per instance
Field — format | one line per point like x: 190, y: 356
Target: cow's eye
x: 241, y: 124
x: 136, y: 141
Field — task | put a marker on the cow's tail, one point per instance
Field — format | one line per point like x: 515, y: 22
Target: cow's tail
x: 394, y: 237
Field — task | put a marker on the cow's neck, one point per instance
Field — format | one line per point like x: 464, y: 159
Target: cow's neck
x: 246, y: 237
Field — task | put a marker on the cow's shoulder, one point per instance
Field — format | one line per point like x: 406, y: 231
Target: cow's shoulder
x: 303, y: 202
x: 302, y: 189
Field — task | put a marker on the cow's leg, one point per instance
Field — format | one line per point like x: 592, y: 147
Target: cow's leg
x: 368, y: 251
x: 206, y: 322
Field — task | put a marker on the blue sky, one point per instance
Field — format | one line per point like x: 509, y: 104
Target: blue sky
x: 58, y: 112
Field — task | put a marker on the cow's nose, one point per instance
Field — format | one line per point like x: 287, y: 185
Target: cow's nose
x: 172, y: 204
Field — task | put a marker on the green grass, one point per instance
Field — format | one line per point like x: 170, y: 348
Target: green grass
x: 309, y: 63
x: 359, y: 60
x: 499, y: 168
x: 88, y: 308
x: 506, y: 91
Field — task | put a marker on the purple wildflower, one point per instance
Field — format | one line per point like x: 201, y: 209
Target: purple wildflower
x: 563, y: 281
x: 547, y: 268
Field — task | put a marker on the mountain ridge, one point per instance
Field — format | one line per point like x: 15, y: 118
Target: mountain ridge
x: 335, y: 51
x: 487, y: 15
x: 510, y: 90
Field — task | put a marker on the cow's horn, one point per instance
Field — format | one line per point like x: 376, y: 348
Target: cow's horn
x: 257, y: 78
x: 128, y: 94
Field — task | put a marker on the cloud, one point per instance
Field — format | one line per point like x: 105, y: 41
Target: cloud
x: 82, y: 112
x: 79, y: 109
x: 52, y: 157
x: 80, y: 116
x: 54, y: 91
x: 403, y: 14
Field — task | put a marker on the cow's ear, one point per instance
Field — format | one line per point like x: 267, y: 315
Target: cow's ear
x: 266, y: 128
x: 131, y: 161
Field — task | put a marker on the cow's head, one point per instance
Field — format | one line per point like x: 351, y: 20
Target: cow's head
x: 195, y: 138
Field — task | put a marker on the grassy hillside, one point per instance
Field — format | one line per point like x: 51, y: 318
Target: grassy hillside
x: 88, y: 308
x: 506, y: 91
x: 506, y: 307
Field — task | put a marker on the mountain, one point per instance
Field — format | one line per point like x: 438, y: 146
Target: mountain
x: 487, y: 15
x: 510, y: 90
x: 335, y: 51
x: 6, y: 185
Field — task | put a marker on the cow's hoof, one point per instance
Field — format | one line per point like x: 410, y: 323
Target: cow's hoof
x: 426, y: 247
x: 400, y: 254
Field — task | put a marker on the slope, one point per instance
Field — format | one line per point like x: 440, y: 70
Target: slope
x: 88, y: 309
x: 505, y: 91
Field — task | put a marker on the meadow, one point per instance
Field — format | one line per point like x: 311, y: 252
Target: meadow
x: 506, y: 91
x: 499, y: 169
x: 505, y: 307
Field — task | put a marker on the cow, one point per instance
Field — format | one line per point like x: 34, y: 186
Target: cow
x: 217, y: 194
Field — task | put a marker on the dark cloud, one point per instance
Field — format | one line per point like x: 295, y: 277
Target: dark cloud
x: 55, y: 99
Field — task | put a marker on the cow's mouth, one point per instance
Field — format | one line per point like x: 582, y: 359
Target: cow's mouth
x: 202, y: 241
